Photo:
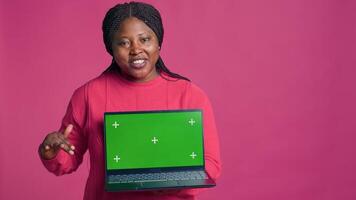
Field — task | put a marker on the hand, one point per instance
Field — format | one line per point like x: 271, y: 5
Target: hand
x: 56, y: 141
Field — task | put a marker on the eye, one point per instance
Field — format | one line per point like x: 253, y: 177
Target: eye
x: 123, y: 43
x: 145, y: 39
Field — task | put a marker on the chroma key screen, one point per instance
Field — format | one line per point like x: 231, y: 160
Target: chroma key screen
x: 136, y: 140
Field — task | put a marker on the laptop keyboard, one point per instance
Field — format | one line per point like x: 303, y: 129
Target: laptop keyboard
x: 154, y: 177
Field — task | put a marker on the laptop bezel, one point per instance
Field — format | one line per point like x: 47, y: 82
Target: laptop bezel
x: 152, y: 170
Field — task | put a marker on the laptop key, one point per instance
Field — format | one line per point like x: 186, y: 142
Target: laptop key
x: 159, y: 177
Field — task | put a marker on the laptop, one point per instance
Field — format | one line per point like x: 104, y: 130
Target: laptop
x: 154, y: 150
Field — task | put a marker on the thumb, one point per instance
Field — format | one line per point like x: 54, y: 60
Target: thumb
x: 68, y: 130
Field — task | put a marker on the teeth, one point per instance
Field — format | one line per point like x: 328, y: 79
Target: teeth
x: 138, y: 61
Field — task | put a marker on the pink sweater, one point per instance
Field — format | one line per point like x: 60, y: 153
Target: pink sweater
x: 110, y: 92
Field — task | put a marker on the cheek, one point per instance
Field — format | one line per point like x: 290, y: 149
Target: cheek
x: 120, y: 57
x: 154, y: 52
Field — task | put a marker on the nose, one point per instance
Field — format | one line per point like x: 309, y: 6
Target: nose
x: 135, y: 48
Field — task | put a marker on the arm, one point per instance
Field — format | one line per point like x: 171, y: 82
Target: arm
x: 63, y: 162
x: 198, y: 99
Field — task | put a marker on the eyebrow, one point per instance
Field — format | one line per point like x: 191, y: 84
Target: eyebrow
x: 140, y: 34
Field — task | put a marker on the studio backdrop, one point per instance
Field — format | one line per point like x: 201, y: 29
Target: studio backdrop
x: 280, y: 75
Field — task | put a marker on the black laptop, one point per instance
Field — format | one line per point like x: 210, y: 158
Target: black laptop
x: 154, y: 150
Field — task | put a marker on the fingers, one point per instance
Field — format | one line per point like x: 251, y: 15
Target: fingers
x: 68, y: 130
x: 57, y: 140
x: 66, y: 146
x: 60, y: 143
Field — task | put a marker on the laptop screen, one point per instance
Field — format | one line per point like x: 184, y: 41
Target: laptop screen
x: 153, y: 139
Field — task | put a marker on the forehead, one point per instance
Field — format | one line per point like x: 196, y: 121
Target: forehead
x: 133, y: 26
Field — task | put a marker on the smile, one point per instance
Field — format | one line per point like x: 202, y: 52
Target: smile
x: 140, y: 63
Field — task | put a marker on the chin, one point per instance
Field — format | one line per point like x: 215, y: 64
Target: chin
x: 142, y: 74
x: 137, y: 77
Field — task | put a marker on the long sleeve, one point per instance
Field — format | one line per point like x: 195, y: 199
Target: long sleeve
x: 64, y: 163
x: 196, y: 98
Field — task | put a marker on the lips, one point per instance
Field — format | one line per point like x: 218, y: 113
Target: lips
x: 138, y: 63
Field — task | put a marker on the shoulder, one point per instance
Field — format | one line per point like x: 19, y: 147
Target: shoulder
x: 197, y: 96
x: 183, y: 85
x: 90, y: 87
x: 193, y: 95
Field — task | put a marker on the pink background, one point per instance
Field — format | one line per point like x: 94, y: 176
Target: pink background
x: 280, y: 74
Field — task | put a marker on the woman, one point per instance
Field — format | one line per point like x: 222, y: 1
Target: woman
x: 137, y: 79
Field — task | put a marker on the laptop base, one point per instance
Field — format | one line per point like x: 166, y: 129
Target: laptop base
x: 159, y: 185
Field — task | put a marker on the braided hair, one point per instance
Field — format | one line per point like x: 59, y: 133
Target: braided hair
x: 144, y: 12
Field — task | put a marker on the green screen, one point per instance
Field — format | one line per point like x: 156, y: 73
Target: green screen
x: 154, y: 139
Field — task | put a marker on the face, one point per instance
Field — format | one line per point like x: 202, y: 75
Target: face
x: 136, y: 50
